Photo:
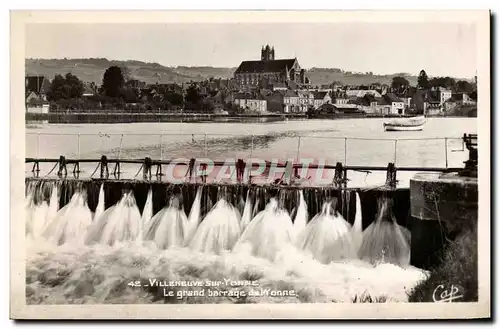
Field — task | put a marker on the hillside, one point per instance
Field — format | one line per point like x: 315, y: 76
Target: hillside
x: 92, y: 70
x: 326, y: 76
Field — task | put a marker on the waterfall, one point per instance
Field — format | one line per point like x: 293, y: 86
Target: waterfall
x: 247, y: 212
x: 211, y: 242
x: 147, y: 212
x: 301, y: 217
x: 327, y: 237
x: 70, y: 223
x: 194, y: 217
x: 357, y: 228
x: 269, y: 234
x: 168, y: 228
x: 384, y: 241
x: 117, y: 224
x: 219, y: 230
x: 38, y: 219
x: 100, y: 205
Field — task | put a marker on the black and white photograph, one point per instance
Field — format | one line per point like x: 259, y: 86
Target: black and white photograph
x: 281, y: 158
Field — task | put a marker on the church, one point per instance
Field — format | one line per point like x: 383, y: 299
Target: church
x: 270, y: 70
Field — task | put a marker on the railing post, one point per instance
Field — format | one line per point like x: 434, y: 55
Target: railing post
x: 116, y: 171
x: 203, y: 168
x: 78, y: 154
x: 205, y: 151
x: 298, y: 149
x: 146, y: 170
x: 62, y: 167
x: 161, y: 147
x: 338, y: 179
x: 251, y: 147
x: 240, y: 170
x: 104, y: 167
x: 395, y: 151
x: 190, y: 170
x: 345, y: 151
x: 446, y: 152
x: 120, y: 149
x: 249, y: 166
x: 38, y: 145
x: 391, y: 175
x: 159, y: 169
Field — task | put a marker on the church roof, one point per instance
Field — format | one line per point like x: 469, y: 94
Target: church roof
x: 277, y: 65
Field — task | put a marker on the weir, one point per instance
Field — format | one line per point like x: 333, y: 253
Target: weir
x: 236, y: 194
x: 380, y: 208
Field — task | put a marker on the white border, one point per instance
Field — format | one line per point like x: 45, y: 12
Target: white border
x: 279, y: 311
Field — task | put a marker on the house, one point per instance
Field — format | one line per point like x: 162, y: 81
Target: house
x: 37, y: 84
x: 458, y: 99
x: 306, y: 99
x: 135, y: 84
x: 397, y: 105
x: 406, y: 101
x: 427, y: 102
x: 251, y: 103
x: 89, y: 89
x: 462, y: 98
x: 275, y: 101
x: 443, y: 94
x: 320, y: 98
x: 362, y: 93
x: 222, y: 97
x: 286, y: 101
x: 373, y: 105
x: 291, y: 101
x: 279, y: 86
x: 339, y: 109
x: 35, y: 104
x: 340, y: 98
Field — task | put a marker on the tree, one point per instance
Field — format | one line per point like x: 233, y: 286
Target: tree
x: 66, y: 87
x: 174, y: 98
x: 445, y: 82
x: 369, y: 98
x: 464, y: 86
x: 399, y: 83
x: 208, y: 106
x: 113, y: 81
x: 130, y: 95
x: 193, y: 95
x: 75, y: 86
x: 57, y: 90
x: 423, y: 80
x: 126, y: 72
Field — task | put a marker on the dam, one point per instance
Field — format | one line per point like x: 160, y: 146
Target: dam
x: 275, y: 219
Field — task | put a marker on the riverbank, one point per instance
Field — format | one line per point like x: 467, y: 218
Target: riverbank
x: 100, y: 118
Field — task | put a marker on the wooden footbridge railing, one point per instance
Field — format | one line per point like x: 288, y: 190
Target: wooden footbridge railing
x: 340, y: 179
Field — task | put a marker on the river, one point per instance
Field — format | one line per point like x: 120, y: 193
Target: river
x: 356, y: 142
x: 101, y: 273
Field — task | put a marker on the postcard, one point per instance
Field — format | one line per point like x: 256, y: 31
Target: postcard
x: 250, y: 165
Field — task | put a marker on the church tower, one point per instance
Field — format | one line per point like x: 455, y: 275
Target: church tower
x: 267, y: 53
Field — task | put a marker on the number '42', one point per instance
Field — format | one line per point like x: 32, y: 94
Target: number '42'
x: 134, y: 283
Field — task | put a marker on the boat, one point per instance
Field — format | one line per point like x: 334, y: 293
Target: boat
x: 405, y: 124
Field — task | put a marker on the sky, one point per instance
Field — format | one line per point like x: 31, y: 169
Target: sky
x: 441, y: 49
